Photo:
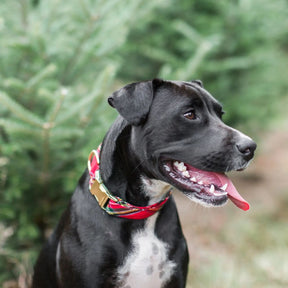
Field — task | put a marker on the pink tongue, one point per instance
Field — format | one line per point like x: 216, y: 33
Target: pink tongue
x: 220, y: 179
x: 233, y: 194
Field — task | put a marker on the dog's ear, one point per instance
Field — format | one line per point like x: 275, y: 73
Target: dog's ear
x: 198, y: 82
x: 133, y: 101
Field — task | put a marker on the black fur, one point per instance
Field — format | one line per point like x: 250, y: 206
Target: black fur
x: 151, y: 128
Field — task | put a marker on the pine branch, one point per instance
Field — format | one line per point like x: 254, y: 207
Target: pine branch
x: 204, y: 46
x: 13, y: 83
x: 188, y: 31
x: 77, y: 51
x: 54, y: 111
x: 74, y: 110
x: 19, y: 111
x: 44, y: 176
x: 24, y: 13
x: 44, y: 73
x: 63, y: 133
x: 101, y: 86
x: 85, y: 8
x: 18, y: 127
x: 196, y: 60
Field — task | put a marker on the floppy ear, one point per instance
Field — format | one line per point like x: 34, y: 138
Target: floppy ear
x: 133, y: 101
x: 199, y: 82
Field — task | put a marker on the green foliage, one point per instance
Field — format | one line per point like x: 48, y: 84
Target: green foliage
x: 236, y: 47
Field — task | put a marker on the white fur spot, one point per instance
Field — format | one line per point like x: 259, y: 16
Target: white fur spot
x: 147, y: 265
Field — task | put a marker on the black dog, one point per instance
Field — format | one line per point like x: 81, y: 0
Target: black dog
x: 169, y: 133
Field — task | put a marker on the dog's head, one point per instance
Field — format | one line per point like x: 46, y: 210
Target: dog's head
x: 177, y: 129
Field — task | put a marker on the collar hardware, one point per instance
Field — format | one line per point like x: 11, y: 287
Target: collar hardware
x: 100, y: 195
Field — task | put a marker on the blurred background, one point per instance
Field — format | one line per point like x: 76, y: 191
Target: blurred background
x: 60, y: 60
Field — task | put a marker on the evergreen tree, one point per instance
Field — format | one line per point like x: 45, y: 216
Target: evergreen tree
x: 57, y: 66
x: 237, y: 48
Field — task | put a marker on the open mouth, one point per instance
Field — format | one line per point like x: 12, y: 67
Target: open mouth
x: 209, y: 188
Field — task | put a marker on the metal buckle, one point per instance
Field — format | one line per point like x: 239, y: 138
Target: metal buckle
x: 99, y: 192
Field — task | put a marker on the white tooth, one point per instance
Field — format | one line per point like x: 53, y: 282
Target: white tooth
x: 186, y: 174
x: 180, y: 166
x: 193, y: 179
x: 200, y: 183
x: 212, y: 189
x: 167, y: 168
x: 176, y: 163
x: 224, y: 187
x: 219, y: 193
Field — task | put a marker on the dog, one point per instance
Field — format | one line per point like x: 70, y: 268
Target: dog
x: 125, y: 232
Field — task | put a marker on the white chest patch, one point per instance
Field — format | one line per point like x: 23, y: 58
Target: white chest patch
x: 147, y: 265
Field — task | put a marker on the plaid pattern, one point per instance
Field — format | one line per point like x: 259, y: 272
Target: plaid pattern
x: 115, y: 205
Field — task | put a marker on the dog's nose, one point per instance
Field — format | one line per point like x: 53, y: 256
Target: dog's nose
x: 246, y: 147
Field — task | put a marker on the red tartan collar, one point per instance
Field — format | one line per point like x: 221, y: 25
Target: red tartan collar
x: 114, y: 205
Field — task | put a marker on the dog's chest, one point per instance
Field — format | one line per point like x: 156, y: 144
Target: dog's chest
x: 147, y: 264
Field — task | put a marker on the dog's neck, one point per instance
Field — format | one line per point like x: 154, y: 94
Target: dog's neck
x: 155, y: 189
x: 125, y: 177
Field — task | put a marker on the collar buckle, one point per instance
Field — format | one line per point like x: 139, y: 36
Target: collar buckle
x: 99, y: 192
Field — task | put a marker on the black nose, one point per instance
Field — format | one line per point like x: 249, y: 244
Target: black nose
x: 246, y: 148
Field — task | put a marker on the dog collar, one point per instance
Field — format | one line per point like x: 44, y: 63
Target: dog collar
x: 115, y: 205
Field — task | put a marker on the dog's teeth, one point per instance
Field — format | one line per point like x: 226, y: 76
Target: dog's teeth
x: 167, y: 168
x: 180, y: 166
x: 200, y: 183
x: 216, y: 193
x: 193, y: 179
x: 186, y: 174
x: 224, y: 187
x: 176, y: 164
x: 212, y: 189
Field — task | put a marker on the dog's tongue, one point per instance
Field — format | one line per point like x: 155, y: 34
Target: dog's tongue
x: 233, y: 194
x: 220, y: 179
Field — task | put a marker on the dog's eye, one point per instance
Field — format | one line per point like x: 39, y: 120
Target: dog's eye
x: 190, y: 115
